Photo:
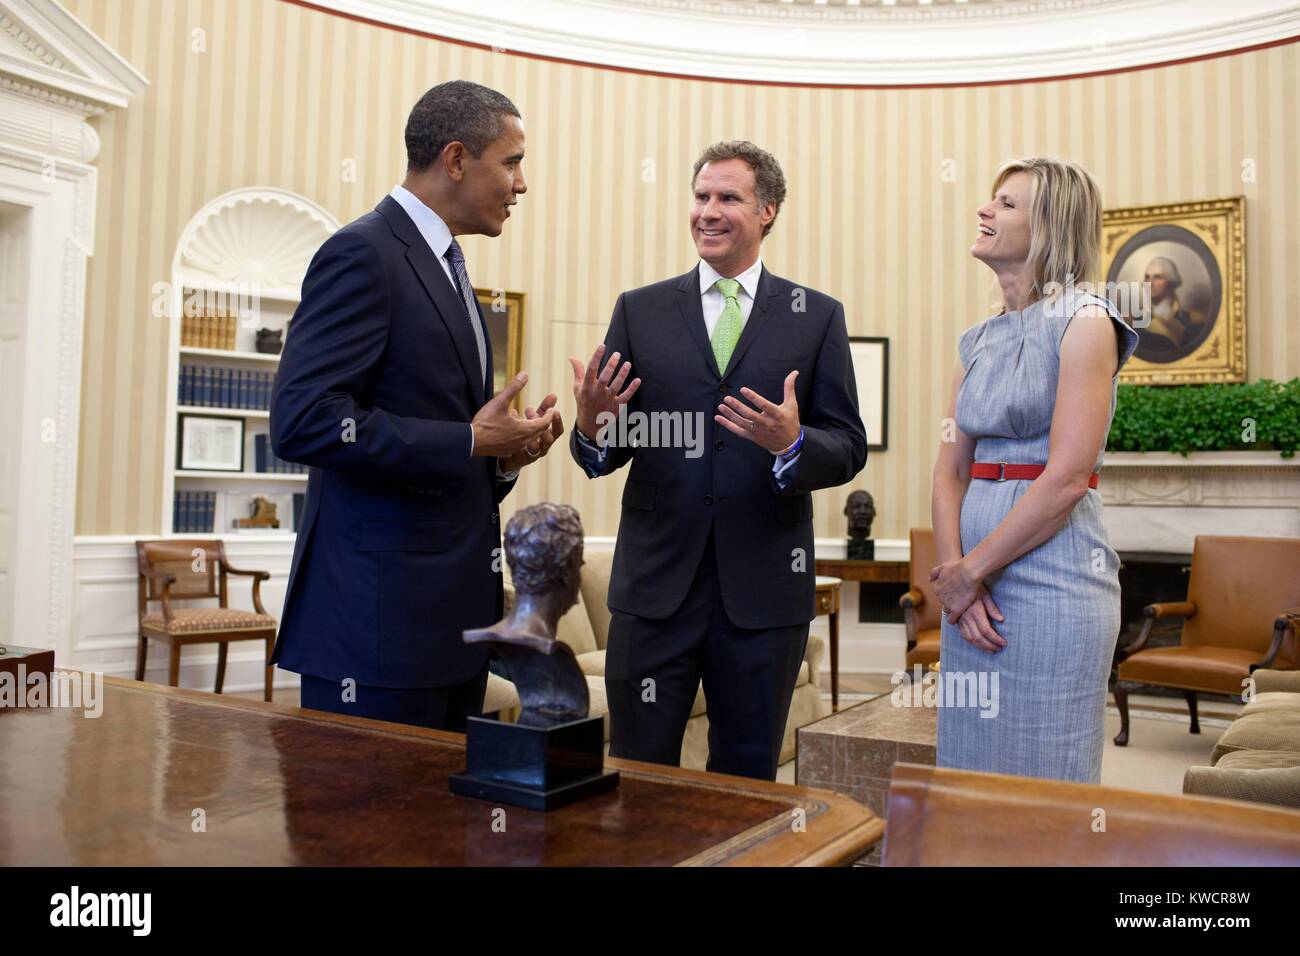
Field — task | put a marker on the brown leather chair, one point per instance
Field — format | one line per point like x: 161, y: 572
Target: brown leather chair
x: 175, y: 569
x: 943, y: 817
x: 920, y: 604
x: 1243, y: 592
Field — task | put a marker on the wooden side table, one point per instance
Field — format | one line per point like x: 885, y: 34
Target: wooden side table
x: 877, y: 572
x: 840, y: 570
x: 828, y: 602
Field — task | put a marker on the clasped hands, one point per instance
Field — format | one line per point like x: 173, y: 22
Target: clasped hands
x: 967, y: 604
x: 501, y: 432
x: 600, y: 391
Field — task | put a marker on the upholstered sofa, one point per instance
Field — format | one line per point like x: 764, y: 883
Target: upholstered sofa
x: 1258, y: 757
x: 585, y: 628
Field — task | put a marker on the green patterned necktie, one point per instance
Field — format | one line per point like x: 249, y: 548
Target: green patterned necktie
x: 727, y: 332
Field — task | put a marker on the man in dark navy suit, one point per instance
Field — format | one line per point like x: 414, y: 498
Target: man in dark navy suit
x: 713, y: 575
x: 385, y: 391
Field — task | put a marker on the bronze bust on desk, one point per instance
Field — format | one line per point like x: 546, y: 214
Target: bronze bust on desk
x: 554, y: 753
x: 543, y: 546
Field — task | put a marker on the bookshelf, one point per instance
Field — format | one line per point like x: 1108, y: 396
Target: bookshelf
x: 243, y: 255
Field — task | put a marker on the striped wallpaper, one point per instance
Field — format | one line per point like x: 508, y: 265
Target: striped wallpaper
x: 284, y: 96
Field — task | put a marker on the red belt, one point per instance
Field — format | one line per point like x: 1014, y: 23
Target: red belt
x: 1001, y: 471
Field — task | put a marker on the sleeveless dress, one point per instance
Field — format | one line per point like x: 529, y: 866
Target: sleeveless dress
x: 1034, y: 708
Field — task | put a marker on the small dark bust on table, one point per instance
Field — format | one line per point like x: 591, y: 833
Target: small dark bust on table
x: 269, y: 341
x: 543, y: 547
x: 861, y: 512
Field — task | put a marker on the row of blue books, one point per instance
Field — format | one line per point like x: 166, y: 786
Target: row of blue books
x: 265, y: 460
x: 212, y: 386
x: 194, y: 511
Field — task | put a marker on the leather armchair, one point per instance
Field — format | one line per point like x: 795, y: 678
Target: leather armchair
x: 920, y: 604
x: 1242, y: 613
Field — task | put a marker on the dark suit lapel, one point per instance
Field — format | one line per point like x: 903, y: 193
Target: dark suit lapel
x: 758, y: 316
x: 691, y: 307
x: 428, y: 270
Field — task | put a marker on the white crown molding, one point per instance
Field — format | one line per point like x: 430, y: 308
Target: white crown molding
x: 47, y: 53
x: 868, y: 45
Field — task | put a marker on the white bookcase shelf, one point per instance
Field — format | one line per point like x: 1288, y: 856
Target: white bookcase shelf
x: 236, y: 475
x: 246, y: 251
x: 234, y: 355
x: 222, y: 412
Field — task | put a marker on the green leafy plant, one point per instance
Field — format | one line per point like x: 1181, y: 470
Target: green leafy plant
x: 1216, y: 417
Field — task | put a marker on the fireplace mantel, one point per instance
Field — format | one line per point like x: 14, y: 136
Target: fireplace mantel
x: 1159, y: 501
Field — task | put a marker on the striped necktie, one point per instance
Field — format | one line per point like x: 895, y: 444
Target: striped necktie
x: 456, y: 259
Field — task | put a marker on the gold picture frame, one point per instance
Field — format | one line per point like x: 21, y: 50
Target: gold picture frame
x: 1193, y: 254
x: 504, y: 313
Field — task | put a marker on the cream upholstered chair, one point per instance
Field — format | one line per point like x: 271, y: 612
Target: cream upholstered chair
x: 585, y: 628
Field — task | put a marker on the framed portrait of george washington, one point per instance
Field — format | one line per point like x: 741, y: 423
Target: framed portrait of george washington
x: 1186, y: 266
x: 504, y: 312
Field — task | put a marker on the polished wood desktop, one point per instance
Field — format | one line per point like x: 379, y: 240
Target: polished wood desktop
x: 170, y: 777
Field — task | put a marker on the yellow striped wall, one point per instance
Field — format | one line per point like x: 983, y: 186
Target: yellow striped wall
x: 283, y: 96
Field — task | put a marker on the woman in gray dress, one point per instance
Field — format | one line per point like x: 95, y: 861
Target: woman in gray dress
x: 1027, y: 578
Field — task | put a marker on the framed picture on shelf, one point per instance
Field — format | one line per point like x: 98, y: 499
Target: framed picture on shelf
x: 504, y: 313
x: 1190, y: 261
x: 870, y: 355
x: 210, y: 444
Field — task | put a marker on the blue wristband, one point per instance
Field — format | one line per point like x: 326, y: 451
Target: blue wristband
x: 793, y: 449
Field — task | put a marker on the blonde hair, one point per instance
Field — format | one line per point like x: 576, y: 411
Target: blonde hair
x: 1064, y: 223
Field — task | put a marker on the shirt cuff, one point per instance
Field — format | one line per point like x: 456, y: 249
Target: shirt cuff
x: 471, y: 441
x: 591, y: 453
x: 506, y: 475
x: 783, y: 471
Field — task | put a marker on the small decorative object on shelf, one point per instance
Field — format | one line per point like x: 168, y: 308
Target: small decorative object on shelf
x: 263, y: 515
x: 861, y: 511
x: 554, y: 754
x: 270, y: 341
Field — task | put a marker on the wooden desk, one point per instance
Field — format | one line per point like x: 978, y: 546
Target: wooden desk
x: 279, y: 786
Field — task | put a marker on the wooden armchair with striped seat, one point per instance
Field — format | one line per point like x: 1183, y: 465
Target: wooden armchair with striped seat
x: 184, y: 569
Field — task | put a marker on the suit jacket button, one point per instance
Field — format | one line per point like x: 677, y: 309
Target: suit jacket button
x: 722, y: 386
x: 717, y: 445
x: 708, y: 499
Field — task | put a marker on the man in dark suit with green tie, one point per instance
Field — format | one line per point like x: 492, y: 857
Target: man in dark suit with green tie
x: 713, y: 576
